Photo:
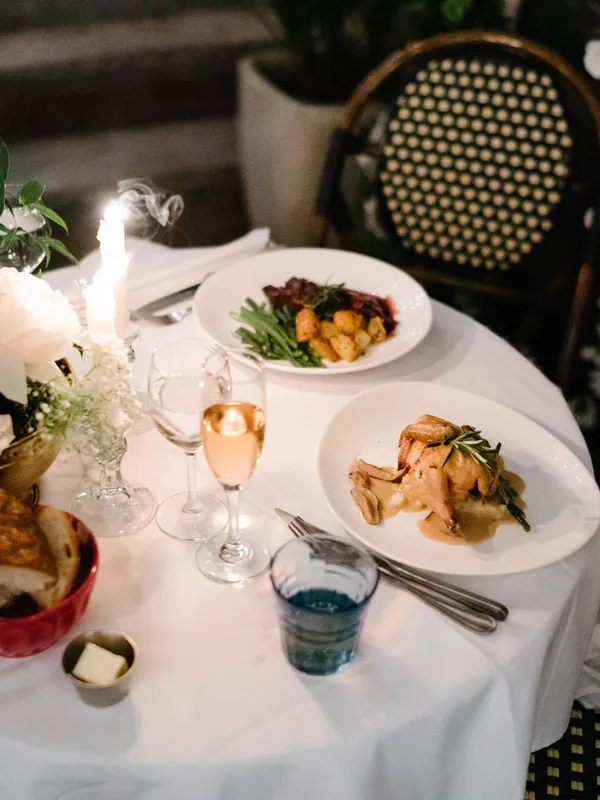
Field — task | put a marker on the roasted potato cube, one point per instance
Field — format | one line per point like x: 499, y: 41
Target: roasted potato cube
x: 307, y: 325
x: 328, y: 329
x: 348, y: 322
x: 345, y: 347
x: 363, y: 340
x: 376, y: 330
x: 324, y: 349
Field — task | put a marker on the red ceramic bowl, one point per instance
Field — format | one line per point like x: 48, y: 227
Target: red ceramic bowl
x: 27, y: 636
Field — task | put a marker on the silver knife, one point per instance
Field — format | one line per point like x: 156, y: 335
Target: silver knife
x: 423, y: 580
x: 158, y: 305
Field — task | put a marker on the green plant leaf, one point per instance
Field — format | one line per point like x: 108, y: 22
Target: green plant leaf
x: 7, y: 241
x: 43, y: 243
x: 456, y: 10
x: 51, y: 215
x: 61, y: 248
x: 31, y: 192
x: 4, y: 162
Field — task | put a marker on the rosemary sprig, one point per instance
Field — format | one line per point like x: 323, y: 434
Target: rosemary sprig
x: 470, y: 442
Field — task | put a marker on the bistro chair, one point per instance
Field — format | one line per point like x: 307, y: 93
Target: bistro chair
x: 472, y: 159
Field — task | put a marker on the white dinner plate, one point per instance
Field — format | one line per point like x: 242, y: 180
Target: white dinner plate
x: 227, y: 289
x: 563, y: 501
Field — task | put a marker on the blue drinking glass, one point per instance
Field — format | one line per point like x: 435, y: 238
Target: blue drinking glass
x: 323, y: 587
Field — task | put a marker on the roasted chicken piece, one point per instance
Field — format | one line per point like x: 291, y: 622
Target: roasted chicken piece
x: 441, y: 476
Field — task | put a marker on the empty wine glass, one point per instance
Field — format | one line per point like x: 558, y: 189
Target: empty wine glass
x: 233, y: 434
x: 186, y: 376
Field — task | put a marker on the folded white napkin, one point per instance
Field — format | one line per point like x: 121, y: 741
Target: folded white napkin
x: 145, y: 287
x: 152, y: 273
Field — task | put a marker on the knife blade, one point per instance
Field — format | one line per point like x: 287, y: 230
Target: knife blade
x: 162, y: 302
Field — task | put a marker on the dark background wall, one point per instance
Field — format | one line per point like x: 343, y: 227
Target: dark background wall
x: 94, y: 91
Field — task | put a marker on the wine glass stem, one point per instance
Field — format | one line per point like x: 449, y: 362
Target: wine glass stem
x: 233, y: 549
x: 191, y: 504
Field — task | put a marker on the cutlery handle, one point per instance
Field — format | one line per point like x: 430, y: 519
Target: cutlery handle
x: 474, y: 601
x: 468, y: 618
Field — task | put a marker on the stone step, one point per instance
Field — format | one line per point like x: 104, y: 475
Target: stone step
x: 196, y: 159
x: 69, y: 166
x: 122, y: 74
x: 47, y: 13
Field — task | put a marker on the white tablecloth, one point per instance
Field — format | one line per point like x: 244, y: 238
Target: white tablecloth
x: 427, y: 712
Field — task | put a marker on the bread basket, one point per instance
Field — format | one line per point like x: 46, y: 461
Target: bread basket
x: 29, y: 635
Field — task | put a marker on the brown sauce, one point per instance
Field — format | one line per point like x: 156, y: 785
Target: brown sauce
x: 477, y: 524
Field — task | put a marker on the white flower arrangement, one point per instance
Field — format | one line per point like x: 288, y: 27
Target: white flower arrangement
x: 90, y: 411
x: 591, y: 59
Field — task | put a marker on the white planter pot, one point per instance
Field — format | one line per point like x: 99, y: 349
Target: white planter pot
x: 282, y: 146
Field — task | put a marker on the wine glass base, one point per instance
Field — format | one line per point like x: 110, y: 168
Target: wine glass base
x: 116, y: 514
x: 253, y: 562
x: 191, y: 527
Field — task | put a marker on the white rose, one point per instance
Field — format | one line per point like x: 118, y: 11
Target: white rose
x: 37, y: 326
x: 591, y: 59
x: 7, y: 433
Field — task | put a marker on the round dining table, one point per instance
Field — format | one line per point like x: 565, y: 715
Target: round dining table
x: 428, y: 710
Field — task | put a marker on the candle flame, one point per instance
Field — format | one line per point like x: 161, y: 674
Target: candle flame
x: 115, y: 212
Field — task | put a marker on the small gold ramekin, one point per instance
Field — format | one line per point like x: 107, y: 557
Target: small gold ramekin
x: 105, y: 694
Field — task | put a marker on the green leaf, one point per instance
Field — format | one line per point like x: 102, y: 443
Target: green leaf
x: 31, y: 192
x: 456, y: 10
x: 4, y: 162
x: 7, y: 241
x: 43, y: 243
x: 61, y: 248
x: 51, y: 215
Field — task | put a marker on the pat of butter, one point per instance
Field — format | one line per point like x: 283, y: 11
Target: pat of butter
x: 99, y: 666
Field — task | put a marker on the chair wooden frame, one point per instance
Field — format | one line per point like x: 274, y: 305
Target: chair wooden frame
x: 586, y: 276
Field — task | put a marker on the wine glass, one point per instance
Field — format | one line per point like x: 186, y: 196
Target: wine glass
x: 233, y: 434
x: 186, y: 376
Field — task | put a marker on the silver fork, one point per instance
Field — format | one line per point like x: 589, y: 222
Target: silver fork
x: 472, y: 620
x: 477, y: 602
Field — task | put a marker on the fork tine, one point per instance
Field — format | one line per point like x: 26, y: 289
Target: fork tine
x: 296, y: 529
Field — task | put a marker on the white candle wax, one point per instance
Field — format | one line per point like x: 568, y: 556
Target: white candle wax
x: 113, y: 270
x: 100, y: 305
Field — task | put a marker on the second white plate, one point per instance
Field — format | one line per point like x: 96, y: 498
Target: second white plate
x: 563, y: 501
x: 228, y: 288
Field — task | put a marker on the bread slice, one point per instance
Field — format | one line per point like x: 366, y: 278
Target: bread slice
x: 61, y: 534
x: 27, y: 564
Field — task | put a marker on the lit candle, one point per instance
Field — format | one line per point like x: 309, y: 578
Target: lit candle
x: 106, y: 298
x: 100, y: 305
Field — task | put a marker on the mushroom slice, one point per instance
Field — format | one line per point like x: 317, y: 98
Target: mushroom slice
x: 359, y: 479
x: 380, y: 473
x: 368, y: 505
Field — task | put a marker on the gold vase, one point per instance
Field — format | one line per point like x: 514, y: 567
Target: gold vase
x: 24, y: 461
